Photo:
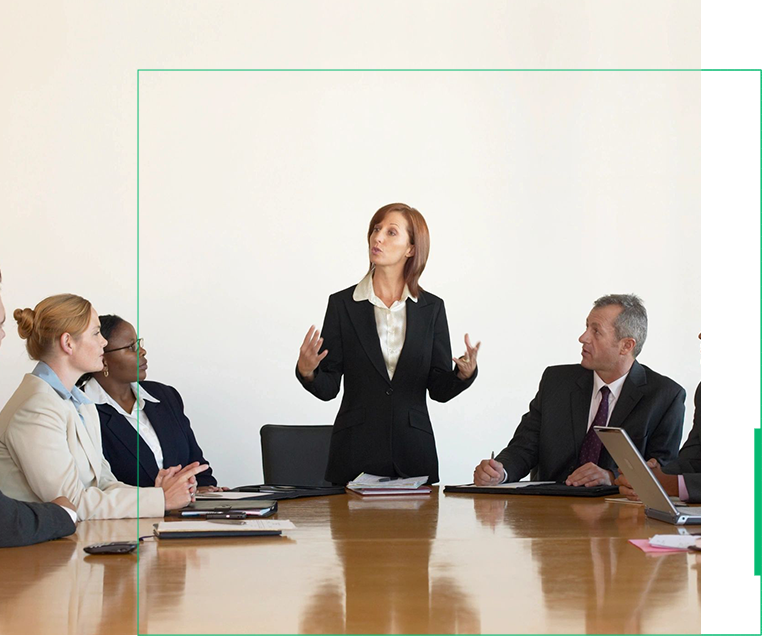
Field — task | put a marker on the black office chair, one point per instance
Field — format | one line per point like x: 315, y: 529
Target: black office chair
x: 295, y: 455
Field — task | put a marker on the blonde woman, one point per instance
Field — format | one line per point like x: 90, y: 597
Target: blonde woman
x: 23, y: 523
x: 50, y: 441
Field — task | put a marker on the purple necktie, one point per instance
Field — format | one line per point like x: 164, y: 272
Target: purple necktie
x: 591, y: 445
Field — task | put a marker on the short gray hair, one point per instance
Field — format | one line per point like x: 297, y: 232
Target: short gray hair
x: 632, y: 322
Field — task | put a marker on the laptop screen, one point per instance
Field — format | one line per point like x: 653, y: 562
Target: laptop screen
x: 631, y: 463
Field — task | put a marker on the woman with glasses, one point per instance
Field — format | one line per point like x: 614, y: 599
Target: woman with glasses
x: 127, y: 404
x: 50, y: 441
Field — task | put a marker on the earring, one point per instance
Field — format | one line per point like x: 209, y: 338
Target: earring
x: 105, y: 370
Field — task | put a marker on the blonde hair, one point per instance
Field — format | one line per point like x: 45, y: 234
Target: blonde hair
x: 42, y: 326
x: 418, y: 235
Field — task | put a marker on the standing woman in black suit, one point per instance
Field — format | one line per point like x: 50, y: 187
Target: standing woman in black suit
x: 389, y: 339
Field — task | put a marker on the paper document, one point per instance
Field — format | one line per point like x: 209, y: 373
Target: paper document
x: 512, y: 485
x: 644, y: 545
x: 364, y: 480
x: 230, y: 496
x: 675, y: 541
x: 216, y: 526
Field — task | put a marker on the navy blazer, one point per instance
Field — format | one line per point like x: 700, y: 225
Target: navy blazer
x: 383, y: 425
x: 178, y: 444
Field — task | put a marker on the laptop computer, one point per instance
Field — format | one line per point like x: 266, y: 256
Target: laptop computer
x: 631, y: 463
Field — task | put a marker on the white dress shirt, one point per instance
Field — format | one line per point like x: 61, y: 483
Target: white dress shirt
x: 71, y: 513
x: 138, y: 418
x: 391, y: 322
x: 616, y: 389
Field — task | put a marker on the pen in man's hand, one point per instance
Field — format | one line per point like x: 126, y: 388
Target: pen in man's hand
x: 492, y: 456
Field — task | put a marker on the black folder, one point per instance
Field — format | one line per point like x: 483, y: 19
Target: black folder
x: 555, y: 490
x: 292, y: 492
x: 258, y: 508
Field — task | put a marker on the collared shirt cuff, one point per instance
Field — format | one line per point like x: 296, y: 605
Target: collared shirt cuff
x: 682, y: 489
x: 72, y: 514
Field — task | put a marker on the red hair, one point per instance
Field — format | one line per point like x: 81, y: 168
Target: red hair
x: 418, y: 235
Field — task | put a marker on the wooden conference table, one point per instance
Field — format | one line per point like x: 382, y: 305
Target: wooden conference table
x: 444, y: 564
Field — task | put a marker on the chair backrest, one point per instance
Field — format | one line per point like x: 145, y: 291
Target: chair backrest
x: 295, y: 454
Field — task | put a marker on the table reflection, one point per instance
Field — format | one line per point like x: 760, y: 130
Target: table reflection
x: 384, y: 547
x: 617, y: 586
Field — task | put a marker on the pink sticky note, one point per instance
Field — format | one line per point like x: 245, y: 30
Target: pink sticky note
x: 649, y: 549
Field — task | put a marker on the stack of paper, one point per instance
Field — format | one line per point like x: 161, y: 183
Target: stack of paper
x: 666, y: 543
x: 365, y: 484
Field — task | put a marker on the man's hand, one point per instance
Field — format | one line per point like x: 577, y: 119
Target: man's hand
x: 590, y: 475
x: 489, y: 473
x: 668, y: 482
x: 625, y: 488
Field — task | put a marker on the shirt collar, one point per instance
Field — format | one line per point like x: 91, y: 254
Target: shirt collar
x: 364, y: 291
x: 615, y: 387
x: 98, y: 394
x: 44, y: 372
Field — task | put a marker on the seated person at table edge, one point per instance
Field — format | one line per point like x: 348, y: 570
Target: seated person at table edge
x: 556, y: 440
x: 681, y: 478
x: 50, y: 438
x: 156, y: 411
x: 23, y: 523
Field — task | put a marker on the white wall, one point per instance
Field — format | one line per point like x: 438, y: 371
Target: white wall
x: 542, y: 191
x: 256, y: 188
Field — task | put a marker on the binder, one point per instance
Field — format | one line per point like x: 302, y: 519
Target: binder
x: 548, y: 489
x: 278, y: 492
x: 251, y: 508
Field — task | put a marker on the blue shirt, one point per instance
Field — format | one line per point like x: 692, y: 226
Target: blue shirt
x: 78, y: 398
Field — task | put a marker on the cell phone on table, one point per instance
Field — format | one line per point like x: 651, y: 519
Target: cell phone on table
x: 115, y: 547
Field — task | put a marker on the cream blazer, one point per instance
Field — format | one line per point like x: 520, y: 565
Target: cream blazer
x: 47, y: 452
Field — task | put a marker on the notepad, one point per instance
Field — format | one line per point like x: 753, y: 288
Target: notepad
x: 221, y: 528
x: 367, y: 481
x: 391, y: 492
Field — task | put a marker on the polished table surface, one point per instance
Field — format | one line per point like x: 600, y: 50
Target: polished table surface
x: 442, y: 564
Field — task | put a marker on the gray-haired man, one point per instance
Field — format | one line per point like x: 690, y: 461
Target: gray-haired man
x: 555, y: 440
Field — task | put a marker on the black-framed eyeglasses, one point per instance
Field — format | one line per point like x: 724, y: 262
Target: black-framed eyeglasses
x: 134, y: 347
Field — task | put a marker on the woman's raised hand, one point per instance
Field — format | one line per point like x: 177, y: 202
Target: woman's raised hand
x: 467, y: 362
x: 309, y: 358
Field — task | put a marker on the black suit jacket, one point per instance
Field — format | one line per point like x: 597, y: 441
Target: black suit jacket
x: 688, y: 462
x: 383, y: 425
x: 178, y: 443
x: 23, y: 523
x: 651, y: 408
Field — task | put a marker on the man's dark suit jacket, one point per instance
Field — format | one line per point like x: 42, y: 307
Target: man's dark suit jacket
x: 178, y: 443
x: 688, y: 462
x: 651, y: 408
x: 23, y: 523
x: 383, y: 425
